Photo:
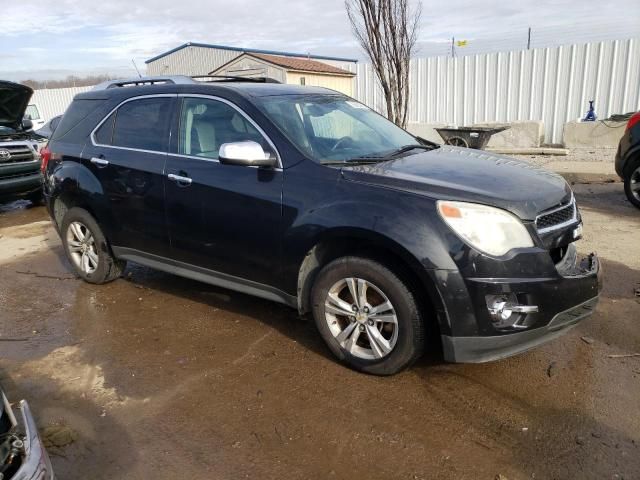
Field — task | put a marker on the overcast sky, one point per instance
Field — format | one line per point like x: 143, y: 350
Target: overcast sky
x: 44, y: 39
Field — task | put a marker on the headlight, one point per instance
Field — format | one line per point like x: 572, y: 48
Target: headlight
x: 488, y: 229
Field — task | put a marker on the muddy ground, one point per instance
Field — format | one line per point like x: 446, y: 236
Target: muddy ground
x: 160, y: 377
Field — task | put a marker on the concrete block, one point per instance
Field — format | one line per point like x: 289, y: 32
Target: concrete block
x: 521, y: 134
x: 599, y: 134
x: 426, y: 131
x: 530, y: 151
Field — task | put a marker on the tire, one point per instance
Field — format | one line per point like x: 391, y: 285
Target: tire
x: 632, y: 183
x: 36, y: 198
x: 101, y: 266
x: 402, y: 342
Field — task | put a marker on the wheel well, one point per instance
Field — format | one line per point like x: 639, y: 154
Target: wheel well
x: 630, y: 164
x: 325, y: 252
x: 66, y: 202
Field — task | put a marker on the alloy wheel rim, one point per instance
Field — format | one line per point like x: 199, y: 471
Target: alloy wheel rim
x: 82, y: 247
x: 635, y: 184
x: 361, y: 318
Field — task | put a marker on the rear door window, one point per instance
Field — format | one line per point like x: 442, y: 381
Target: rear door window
x: 143, y: 124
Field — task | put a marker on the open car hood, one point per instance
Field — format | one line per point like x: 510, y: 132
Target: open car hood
x: 14, y: 99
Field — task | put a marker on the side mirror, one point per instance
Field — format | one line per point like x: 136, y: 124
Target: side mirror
x: 247, y: 153
x: 27, y: 124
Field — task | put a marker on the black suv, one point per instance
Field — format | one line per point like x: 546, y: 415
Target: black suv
x: 19, y: 158
x: 304, y: 196
x: 628, y: 159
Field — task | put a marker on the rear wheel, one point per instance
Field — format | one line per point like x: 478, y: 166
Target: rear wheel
x: 632, y: 184
x: 367, y: 316
x: 87, y: 248
x: 36, y: 198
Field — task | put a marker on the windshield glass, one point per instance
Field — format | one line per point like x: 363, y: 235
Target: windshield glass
x: 329, y: 128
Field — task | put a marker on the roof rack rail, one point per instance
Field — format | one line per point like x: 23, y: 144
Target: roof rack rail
x: 134, y: 82
x: 234, y: 78
x: 179, y: 80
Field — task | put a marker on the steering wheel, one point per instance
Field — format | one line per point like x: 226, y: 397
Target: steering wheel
x: 339, y: 143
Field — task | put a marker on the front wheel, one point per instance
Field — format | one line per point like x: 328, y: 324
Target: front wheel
x: 367, y: 316
x: 87, y: 248
x: 632, y: 185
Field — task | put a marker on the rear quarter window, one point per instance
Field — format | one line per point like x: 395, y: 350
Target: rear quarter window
x: 77, y: 111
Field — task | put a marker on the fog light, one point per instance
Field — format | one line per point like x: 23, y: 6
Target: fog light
x: 506, y: 312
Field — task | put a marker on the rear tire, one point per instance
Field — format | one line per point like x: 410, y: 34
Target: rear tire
x: 36, y: 198
x: 632, y: 183
x: 87, y: 248
x: 379, y: 330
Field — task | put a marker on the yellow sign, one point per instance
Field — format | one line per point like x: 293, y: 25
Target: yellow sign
x: 461, y: 43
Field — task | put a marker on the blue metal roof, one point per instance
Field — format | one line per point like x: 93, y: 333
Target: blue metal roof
x: 248, y: 50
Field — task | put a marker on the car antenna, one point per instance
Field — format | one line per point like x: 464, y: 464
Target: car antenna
x: 136, y: 67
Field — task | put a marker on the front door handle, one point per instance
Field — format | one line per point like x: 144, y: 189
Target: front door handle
x: 100, y: 162
x: 179, y: 179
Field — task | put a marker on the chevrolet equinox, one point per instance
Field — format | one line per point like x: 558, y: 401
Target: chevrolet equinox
x: 304, y: 196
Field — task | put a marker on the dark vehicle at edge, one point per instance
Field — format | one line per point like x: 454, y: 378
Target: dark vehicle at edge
x: 20, y: 175
x: 304, y: 196
x: 628, y: 159
x: 48, y: 128
x: 22, y: 455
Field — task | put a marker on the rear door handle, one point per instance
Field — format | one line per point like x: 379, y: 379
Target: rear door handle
x: 179, y: 179
x: 101, y: 162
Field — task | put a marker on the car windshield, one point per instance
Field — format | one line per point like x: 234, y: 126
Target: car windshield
x: 334, y: 128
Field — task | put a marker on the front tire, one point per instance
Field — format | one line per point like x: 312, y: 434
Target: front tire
x: 632, y: 184
x: 87, y: 248
x: 367, y: 316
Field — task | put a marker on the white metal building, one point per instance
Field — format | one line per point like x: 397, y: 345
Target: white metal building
x: 200, y: 58
x: 295, y: 71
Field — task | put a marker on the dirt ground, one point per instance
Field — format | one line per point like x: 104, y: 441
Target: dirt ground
x: 153, y: 376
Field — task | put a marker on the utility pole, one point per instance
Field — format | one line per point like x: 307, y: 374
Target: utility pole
x: 453, y: 47
x: 529, y: 39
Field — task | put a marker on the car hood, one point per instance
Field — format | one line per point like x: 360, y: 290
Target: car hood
x: 452, y: 173
x: 14, y: 99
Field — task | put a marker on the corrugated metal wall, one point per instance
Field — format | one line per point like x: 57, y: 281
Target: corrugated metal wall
x: 54, y: 101
x: 191, y: 60
x: 549, y: 84
x: 195, y: 60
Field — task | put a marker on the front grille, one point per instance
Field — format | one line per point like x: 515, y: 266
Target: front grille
x: 557, y: 218
x: 16, y: 154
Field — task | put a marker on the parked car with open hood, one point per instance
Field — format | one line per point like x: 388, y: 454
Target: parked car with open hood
x: 304, y: 196
x: 20, y: 175
x: 22, y: 454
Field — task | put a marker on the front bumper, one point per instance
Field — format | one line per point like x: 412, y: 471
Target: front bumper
x: 35, y: 462
x: 15, y: 187
x: 563, y: 300
x: 487, y: 349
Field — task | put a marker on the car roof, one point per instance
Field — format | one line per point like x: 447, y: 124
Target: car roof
x: 245, y: 89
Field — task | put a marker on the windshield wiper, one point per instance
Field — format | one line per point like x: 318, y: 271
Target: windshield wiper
x: 408, y: 148
x: 369, y: 159
x: 353, y: 161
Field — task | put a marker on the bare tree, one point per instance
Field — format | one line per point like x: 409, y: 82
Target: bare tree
x: 387, y: 31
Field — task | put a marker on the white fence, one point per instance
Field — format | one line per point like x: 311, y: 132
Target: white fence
x: 549, y: 84
x: 54, y: 101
